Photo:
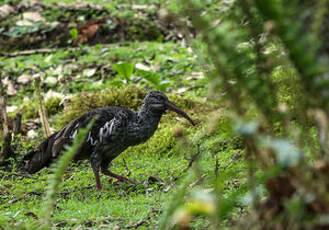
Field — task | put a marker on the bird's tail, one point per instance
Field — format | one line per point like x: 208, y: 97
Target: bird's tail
x: 41, y: 156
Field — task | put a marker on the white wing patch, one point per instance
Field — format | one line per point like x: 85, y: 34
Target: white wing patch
x: 74, y: 134
x: 92, y: 142
x: 106, y: 130
x: 75, y: 131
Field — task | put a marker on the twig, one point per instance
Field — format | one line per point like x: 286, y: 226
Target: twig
x: 234, y: 157
x: 17, y: 174
x: 15, y: 200
x: 30, y: 52
x: 194, y: 157
x: 44, y: 51
x: 42, y: 111
x: 74, y: 190
x: 3, y: 110
x: 140, y: 222
x: 216, y: 167
x: 198, y: 181
x: 6, y: 149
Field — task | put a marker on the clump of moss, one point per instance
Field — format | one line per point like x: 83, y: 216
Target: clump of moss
x: 222, y: 138
x: 163, y: 141
x: 30, y: 110
x: 289, y: 88
x: 128, y: 97
x: 53, y: 105
x: 183, y: 102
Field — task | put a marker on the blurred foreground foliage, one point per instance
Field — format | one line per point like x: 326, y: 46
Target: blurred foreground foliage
x: 283, y: 121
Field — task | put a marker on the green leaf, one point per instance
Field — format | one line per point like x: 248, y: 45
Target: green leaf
x: 163, y: 85
x: 125, y: 70
x: 74, y: 34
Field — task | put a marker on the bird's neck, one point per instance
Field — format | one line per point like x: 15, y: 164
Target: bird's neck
x: 145, y: 125
x: 146, y: 116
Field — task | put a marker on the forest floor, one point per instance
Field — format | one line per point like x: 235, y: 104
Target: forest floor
x: 80, y: 73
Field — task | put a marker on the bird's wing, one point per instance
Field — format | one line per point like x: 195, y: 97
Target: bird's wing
x: 107, y: 121
x: 109, y: 127
x: 68, y: 133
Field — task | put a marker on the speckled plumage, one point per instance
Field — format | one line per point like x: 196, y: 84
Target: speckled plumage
x: 114, y: 130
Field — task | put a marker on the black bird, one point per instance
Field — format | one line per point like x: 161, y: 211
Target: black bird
x: 114, y: 130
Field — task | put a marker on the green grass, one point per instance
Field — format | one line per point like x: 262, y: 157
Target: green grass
x: 163, y: 157
x: 85, y: 205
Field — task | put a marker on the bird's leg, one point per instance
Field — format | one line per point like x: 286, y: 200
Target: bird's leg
x: 120, y: 178
x: 98, y: 181
x: 95, y: 160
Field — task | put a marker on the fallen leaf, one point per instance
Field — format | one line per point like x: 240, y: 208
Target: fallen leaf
x: 142, y: 67
x: 6, y: 10
x: 33, y: 16
x: 51, y: 81
x: 32, y: 134
x: 11, y: 109
x: 197, y: 75
x: 24, y: 23
x: 5, y: 81
x: 58, y: 70
x: 143, y: 7
x: 88, y: 30
x: 53, y: 94
x: 89, y: 72
x: 26, y: 99
x: 11, y: 89
x: 48, y: 58
x: 24, y: 79
x: 181, y: 90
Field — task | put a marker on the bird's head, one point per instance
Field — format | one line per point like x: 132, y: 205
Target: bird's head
x: 159, y: 103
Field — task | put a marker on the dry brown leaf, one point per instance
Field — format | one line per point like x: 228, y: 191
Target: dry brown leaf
x: 88, y: 30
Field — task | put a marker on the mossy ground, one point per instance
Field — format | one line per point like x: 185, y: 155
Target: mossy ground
x: 163, y: 157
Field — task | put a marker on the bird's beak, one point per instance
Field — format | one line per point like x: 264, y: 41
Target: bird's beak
x: 171, y: 106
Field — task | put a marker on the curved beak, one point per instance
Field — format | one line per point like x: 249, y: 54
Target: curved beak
x: 171, y: 106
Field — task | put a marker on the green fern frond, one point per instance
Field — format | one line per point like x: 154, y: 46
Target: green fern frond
x: 58, y: 171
